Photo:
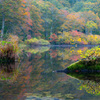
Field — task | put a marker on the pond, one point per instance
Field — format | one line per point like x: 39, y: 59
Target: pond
x: 35, y: 77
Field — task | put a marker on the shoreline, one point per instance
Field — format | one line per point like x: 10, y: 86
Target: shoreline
x: 64, y: 46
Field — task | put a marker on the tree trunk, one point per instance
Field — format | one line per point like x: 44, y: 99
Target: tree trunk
x: 91, y: 31
x: 86, y: 30
x: 3, y: 24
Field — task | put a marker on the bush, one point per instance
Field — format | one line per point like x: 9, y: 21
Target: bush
x: 8, y: 49
x: 35, y: 41
x: 43, y: 42
x: 7, y: 53
x: 75, y: 37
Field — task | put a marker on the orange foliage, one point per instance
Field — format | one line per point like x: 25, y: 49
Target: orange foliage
x: 24, y: 1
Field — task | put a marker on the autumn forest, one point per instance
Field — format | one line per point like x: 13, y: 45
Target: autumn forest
x: 49, y: 49
x: 58, y: 21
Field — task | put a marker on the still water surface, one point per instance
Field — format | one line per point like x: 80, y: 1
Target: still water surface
x: 33, y: 78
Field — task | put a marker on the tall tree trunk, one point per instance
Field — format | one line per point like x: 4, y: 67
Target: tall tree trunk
x: 86, y: 30
x: 3, y: 24
x: 46, y: 26
x: 91, y: 31
x: 51, y: 30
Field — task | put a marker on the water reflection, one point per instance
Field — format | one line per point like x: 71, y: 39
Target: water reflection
x: 91, y: 81
x: 8, y: 71
x: 36, y: 79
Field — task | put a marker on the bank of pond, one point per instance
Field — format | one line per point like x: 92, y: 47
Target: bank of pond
x: 11, y: 48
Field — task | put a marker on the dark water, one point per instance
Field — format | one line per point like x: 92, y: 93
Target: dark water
x: 33, y: 78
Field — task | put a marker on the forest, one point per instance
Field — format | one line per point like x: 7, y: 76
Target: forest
x: 58, y: 21
x: 49, y: 49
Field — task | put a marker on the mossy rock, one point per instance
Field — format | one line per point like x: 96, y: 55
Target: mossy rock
x: 85, y: 64
x: 84, y: 71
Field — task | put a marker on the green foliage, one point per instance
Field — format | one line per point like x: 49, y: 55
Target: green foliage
x: 4, y: 43
x: 78, y: 6
x: 85, y: 65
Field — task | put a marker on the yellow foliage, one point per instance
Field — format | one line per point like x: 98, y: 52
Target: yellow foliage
x: 79, y: 40
x: 94, y: 52
x: 91, y: 87
x: 32, y: 40
x: 79, y: 51
x: 60, y: 37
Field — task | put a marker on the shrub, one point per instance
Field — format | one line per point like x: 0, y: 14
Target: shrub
x: 36, y: 41
x: 13, y: 39
x: 8, y: 49
x: 43, y: 42
x: 75, y: 37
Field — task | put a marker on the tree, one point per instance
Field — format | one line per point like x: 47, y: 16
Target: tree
x: 96, y: 7
x: 12, y: 13
x: 53, y: 38
x: 52, y: 18
x: 73, y: 22
x: 91, y: 25
x: 88, y: 17
x: 78, y: 6
x: 37, y: 21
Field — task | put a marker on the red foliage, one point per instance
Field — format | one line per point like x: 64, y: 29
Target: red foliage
x: 76, y: 33
x: 53, y: 37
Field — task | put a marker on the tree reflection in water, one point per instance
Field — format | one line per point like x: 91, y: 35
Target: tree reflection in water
x: 91, y: 82
x: 36, y: 79
x: 8, y: 71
